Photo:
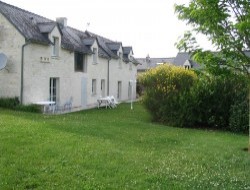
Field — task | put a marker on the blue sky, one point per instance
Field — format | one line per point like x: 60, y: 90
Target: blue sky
x: 150, y: 26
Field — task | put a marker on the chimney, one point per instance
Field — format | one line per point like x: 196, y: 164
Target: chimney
x: 62, y: 21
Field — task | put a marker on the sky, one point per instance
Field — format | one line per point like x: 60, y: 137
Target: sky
x: 150, y: 26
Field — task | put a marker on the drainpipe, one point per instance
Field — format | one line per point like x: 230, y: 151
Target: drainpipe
x: 22, y: 63
x: 108, y: 77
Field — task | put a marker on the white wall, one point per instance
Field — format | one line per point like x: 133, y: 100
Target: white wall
x: 123, y: 74
x: 11, y: 42
x: 98, y: 71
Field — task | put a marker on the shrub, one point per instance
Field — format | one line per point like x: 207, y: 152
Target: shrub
x: 29, y: 108
x: 9, y: 102
x: 13, y: 103
x: 239, y: 117
x: 167, y: 94
x: 239, y: 110
x: 183, y: 98
x: 216, y: 98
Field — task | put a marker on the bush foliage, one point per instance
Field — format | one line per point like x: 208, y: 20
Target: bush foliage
x: 186, y: 98
x: 13, y: 103
x: 167, y: 90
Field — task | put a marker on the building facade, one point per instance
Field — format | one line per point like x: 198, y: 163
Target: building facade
x: 48, y: 60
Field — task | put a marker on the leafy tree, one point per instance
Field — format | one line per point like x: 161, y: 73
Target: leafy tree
x: 226, y: 23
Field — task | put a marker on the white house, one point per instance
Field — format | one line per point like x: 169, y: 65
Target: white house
x: 49, y: 60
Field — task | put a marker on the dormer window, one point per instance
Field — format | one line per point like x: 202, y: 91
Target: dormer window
x: 187, y: 64
x: 95, y: 54
x: 55, y: 47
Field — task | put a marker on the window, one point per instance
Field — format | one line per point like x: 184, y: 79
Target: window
x: 119, y: 90
x: 54, y: 89
x: 55, y: 47
x: 103, y: 87
x: 120, y: 60
x: 93, y: 86
x: 94, y: 55
x: 80, y: 62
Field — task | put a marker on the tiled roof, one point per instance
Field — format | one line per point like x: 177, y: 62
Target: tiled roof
x: 182, y: 57
x: 114, y: 46
x: 103, y: 44
x: 89, y: 41
x: 34, y: 28
x: 134, y: 60
x: 25, y: 22
x: 108, y: 46
x: 143, y: 65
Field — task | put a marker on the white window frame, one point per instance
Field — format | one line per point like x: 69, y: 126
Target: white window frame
x: 103, y: 90
x: 94, y: 84
x: 55, y: 46
x: 54, y: 89
x: 119, y: 90
x: 95, y: 55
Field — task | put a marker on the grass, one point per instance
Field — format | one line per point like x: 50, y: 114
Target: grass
x: 116, y: 149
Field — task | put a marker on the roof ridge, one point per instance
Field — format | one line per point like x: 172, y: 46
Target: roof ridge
x: 114, y: 43
x: 78, y: 30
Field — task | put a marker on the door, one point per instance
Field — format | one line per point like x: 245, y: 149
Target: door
x: 84, y: 93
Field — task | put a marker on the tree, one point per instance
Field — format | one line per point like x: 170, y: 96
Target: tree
x: 226, y: 23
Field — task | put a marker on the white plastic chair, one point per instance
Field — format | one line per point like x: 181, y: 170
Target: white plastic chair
x: 68, y: 104
x: 58, y: 107
x: 113, y: 102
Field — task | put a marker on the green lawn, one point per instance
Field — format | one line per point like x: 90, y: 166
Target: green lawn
x: 116, y: 149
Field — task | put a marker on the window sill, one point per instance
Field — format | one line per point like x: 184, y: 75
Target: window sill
x: 78, y: 71
x: 94, y: 63
x: 55, y: 57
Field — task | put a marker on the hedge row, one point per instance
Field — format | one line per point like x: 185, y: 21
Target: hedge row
x: 13, y: 103
x: 184, y: 98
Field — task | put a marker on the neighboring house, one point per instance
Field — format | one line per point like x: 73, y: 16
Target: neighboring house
x: 182, y: 59
x: 48, y: 60
x: 148, y: 63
